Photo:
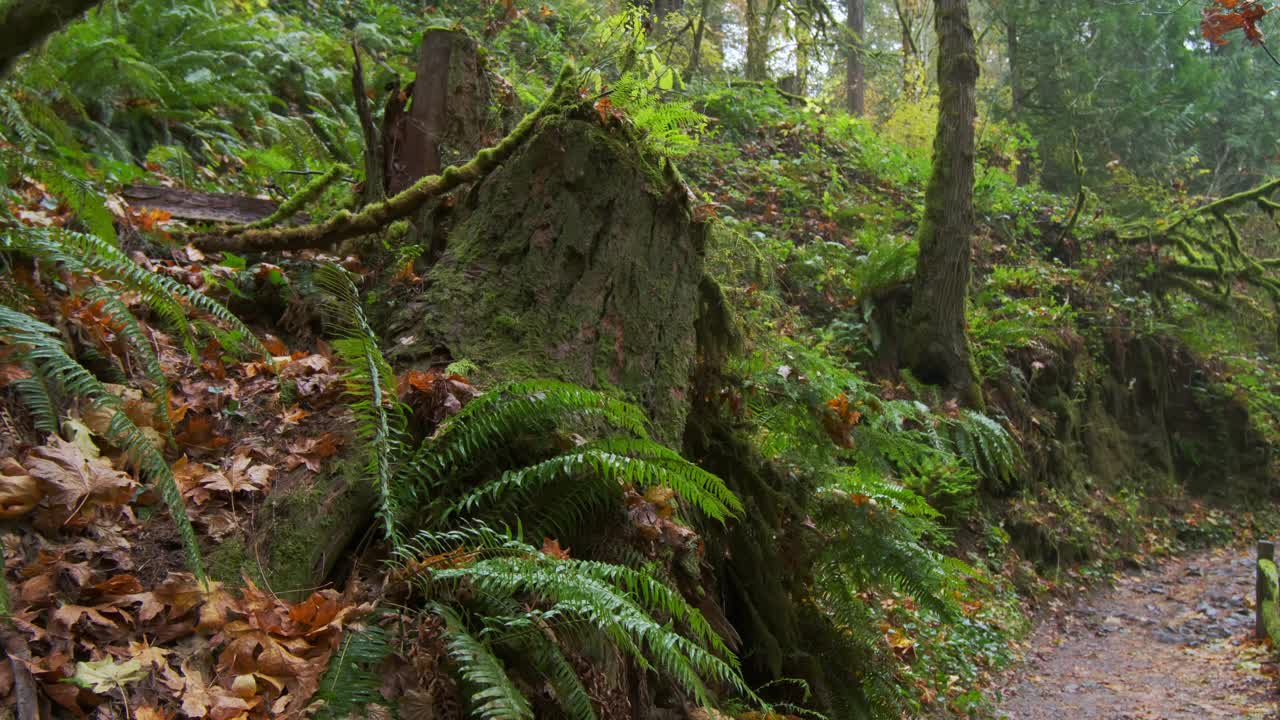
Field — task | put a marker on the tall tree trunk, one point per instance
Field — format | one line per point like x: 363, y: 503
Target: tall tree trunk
x: 757, y: 42
x: 855, y: 71
x: 937, y: 349
x: 25, y: 24
x: 1016, y: 93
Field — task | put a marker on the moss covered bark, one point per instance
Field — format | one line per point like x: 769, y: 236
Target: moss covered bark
x: 305, y: 530
x: 576, y: 260
x: 936, y: 348
x: 24, y: 24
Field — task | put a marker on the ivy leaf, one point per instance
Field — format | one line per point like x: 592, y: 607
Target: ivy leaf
x: 104, y: 675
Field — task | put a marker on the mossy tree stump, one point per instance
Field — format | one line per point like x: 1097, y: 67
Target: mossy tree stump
x: 577, y: 259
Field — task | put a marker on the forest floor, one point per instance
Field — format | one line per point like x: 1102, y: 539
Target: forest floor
x: 1170, y: 642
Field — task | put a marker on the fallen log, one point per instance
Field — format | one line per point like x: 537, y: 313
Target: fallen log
x: 201, y: 206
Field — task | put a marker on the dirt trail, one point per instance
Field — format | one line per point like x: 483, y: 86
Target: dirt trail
x: 1168, y: 644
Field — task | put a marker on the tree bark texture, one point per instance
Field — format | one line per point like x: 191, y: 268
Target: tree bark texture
x: 698, y: 31
x: 938, y: 349
x: 910, y: 53
x: 202, y: 206
x: 757, y: 41
x: 374, y: 190
x: 450, y: 117
x: 855, y: 70
x: 24, y: 24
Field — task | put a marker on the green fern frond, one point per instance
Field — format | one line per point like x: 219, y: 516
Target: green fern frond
x: 547, y: 658
x: 89, y: 206
x: 38, y: 343
x: 350, y: 682
x: 122, y: 433
x: 120, y: 317
x: 496, y: 697
x: 370, y: 386
x: 493, y: 420
x: 611, y: 463
x: 984, y: 445
x: 617, y: 601
x: 876, y: 550
x: 36, y: 396
x: 86, y: 253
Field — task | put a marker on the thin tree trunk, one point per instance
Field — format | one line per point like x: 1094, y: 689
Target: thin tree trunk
x: 373, y: 189
x: 24, y: 24
x: 855, y: 71
x: 909, y: 50
x: 696, y: 55
x: 937, y: 349
x: 757, y: 42
x: 804, y: 49
x: 1023, y: 174
x: 420, y: 155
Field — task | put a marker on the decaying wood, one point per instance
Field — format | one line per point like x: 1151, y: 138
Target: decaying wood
x: 446, y: 115
x: 425, y: 120
x: 202, y: 206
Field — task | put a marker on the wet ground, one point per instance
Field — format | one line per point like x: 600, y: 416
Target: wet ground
x: 1168, y: 643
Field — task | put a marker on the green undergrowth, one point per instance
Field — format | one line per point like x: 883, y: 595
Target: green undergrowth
x: 923, y: 527
x: 814, y: 216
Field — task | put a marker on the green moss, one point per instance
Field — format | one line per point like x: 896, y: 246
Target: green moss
x: 305, y: 529
x: 569, y: 263
x: 228, y: 561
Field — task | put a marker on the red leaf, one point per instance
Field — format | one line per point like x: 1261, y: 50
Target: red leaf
x: 1226, y: 16
x: 552, y: 548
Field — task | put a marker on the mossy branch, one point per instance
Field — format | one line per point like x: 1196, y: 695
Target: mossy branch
x: 293, y: 205
x: 344, y: 225
x: 1260, y: 194
x: 1212, y: 248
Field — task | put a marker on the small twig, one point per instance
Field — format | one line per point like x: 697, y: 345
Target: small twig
x: 1268, y: 51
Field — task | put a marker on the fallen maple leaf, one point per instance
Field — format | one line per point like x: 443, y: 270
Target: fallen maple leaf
x: 149, y: 655
x: 200, y: 699
x: 243, y: 476
x: 105, y: 675
x: 66, y: 617
x: 73, y: 483
x: 310, y: 451
x: 213, y: 613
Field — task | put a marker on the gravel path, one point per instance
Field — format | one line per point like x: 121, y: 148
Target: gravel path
x: 1163, y: 644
